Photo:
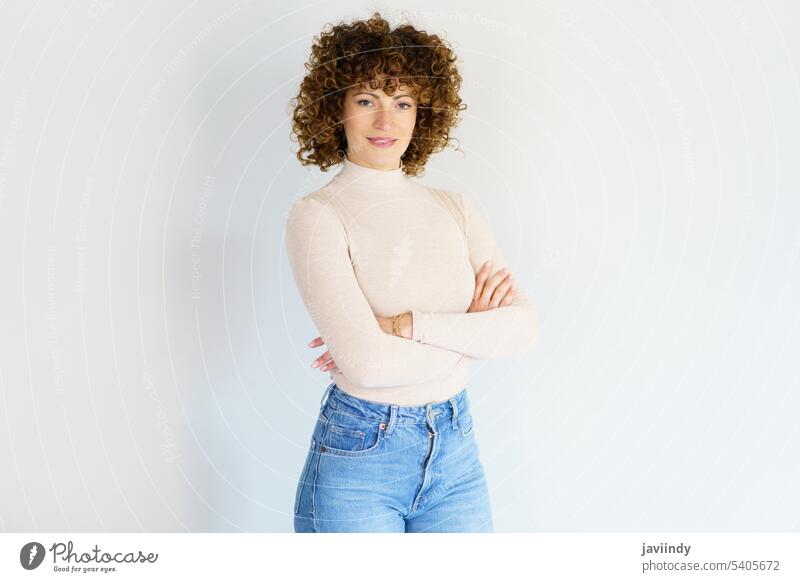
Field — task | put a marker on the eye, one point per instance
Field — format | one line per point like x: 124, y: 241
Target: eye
x: 360, y: 101
x: 409, y: 105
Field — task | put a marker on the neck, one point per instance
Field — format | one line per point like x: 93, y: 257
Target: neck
x: 364, y: 164
x: 357, y: 176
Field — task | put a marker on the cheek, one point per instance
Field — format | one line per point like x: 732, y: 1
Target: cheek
x: 358, y: 122
x: 411, y: 124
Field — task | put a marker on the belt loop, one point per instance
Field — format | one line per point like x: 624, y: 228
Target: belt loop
x: 392, y: 420
x: 455, y: 412
x: 325, y: 395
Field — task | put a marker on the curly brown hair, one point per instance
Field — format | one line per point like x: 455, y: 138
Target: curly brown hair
x: 370, y: 52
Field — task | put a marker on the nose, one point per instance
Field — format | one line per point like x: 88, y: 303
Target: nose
x: 382, y: 120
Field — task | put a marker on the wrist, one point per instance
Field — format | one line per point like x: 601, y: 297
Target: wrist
x: 407, y: 325
x: 402, y: 325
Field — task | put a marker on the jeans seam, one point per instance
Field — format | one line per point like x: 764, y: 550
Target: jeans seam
x: 314, y: 491
x: 303, y: 479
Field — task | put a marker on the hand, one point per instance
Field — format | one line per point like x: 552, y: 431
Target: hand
x: 325, y: 360
x: 492, y: 292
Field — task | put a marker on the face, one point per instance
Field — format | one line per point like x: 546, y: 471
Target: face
x: 369, y: 115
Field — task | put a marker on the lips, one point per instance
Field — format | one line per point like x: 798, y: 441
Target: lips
x: 382, y: 142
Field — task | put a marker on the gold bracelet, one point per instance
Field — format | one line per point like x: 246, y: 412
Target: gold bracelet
x: 396, y: 325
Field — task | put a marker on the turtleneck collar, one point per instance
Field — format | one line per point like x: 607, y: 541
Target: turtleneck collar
x: 356, y: 176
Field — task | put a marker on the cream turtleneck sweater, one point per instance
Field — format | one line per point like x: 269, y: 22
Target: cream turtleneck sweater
x: 377, y: 242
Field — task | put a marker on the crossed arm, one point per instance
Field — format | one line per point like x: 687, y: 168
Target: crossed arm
x: 359, y: 342
x: 482, y: 334
x: 491, y: 291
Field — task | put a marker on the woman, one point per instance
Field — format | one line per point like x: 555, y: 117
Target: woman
x: 405, y: 285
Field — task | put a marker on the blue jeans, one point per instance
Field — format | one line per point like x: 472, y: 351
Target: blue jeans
x: 376, y: 467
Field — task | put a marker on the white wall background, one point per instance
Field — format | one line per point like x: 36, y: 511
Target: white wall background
x: 637, y: 161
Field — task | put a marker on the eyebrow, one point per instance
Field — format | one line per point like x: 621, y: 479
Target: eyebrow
x: 375, y: 95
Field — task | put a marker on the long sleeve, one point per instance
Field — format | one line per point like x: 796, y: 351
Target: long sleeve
x: 317, y: 247
x: 507, y: 330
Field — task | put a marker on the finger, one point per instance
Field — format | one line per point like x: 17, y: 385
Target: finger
x: 499, y: 277
x: 316, y: 342
x: 480, y: 279
x: 492, y: 283
x: 484, y: 271
x: 320, y: 363
x: 500, y: 292
x: 322, y: 359
x: 483, y: 291
x: 328, y: 365
x: 508, y: 298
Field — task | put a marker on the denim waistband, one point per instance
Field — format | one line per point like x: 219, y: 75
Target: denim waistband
x: 354, y: 406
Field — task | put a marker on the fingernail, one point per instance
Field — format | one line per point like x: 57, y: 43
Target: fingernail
x: 313, y: 364
x: 488, y: 264
x: 309, y: 343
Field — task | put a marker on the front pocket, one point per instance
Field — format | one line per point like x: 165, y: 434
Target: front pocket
x: 343, y: 438
x: 361, y: 438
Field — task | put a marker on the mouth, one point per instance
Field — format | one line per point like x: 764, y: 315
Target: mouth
x: 382, y: 142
